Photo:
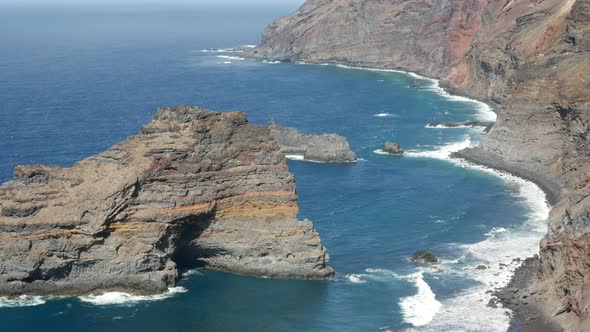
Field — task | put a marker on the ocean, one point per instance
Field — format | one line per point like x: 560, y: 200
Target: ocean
x: 76, y: 80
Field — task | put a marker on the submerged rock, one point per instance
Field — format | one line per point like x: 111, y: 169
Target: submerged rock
x: 329, y: 148
x: 424, y: 257
x: 393, y: 148
x: 194, y: 188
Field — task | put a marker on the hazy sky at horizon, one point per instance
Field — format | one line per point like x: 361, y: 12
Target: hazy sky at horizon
x: 158, y: 2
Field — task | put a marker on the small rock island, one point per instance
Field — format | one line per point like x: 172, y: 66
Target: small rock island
x: 327, y: 148
x: 393, y: 148
x: 424, y: 257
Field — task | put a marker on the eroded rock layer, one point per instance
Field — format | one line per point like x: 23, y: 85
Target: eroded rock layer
x: 531, y: 58
x: 195, y: 187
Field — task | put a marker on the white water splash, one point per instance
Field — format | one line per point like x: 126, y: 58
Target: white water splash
x: 294, y: 157
x: 113, y: 298
x: 443, y: 152
x: 420, y: 309
x: 484, y: 111
x: 21, y: 301
x: 384, y: 115
x: 355, y: 278
x: 230, y: 57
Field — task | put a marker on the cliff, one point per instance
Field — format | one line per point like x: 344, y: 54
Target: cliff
x: 193, y: 188
x: 531, y: 58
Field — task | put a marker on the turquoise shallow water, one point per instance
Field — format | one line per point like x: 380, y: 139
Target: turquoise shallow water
x: 74, y: 82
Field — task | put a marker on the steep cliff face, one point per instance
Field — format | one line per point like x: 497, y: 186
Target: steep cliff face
x: 531, y: 58
x: 195, y: 187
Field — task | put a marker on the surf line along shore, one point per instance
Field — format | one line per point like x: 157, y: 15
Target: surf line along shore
x: 520, y: 246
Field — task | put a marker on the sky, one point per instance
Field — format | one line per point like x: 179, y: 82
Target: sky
x: 241, y: 3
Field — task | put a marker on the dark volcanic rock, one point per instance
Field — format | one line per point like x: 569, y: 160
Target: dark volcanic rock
x: 424, y: 257
x: 530, y: 58
x: 194, y: 188
x: 392, y: 148
x: 525, y: 299
x: 329, y: 148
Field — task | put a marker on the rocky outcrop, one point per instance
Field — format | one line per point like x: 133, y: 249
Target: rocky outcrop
x: 392, y: 148
x: 424, y: 257
x: 327, y: 148
x: 194, y: 188
x: 531, y: 58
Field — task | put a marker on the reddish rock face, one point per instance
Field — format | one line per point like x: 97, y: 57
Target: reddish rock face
x: 529, y: 57
x: 195, y: 187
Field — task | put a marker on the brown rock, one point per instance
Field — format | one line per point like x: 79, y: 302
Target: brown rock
x: 194, y: 188
x: 392, y: 148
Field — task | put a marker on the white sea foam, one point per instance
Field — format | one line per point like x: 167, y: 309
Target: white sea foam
x: 248, y: 46
x: 379, y: 151
x: 230, y: 57
x: 443, y: 152
x: 222, y: 50
x: 420, y: 309
x: 355, y: 278
x: 501, y: 252
x: 384, y: 115
x: 443, y: 126
x: 112, y: 298
x: 294, y: 157
x: 484, y: 111
x: 496, y: 230
x: 302, y: 158
x: 21, y: 301
x: 226, y: 63
x: 271, y: 62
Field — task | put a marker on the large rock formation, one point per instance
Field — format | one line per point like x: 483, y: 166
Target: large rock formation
x: 194, y: 188
x: 529, y: 57
x: 326, y: 148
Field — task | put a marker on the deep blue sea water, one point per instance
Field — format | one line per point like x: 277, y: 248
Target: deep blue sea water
x: 74, y: 81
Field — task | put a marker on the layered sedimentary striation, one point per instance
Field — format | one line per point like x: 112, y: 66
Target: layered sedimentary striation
x: 531, y: 58
x: 193, y: 188
x: 328, y: 148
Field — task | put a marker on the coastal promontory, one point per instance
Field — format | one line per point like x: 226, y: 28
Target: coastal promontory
x: 193, y: 188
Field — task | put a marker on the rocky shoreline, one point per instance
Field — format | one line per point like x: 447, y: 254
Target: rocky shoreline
x: 530, y: 58
x: 526, y: 301
x: 552, y: 189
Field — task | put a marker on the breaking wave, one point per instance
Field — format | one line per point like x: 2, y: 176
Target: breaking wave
x: 21, y: 301
x: 222, y: 50
x: 420, y: 309
x: 484, y: 111
x: 114, y: 298
x: 230, y: 57
x: 417, y: 309
x: 443, y: 152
